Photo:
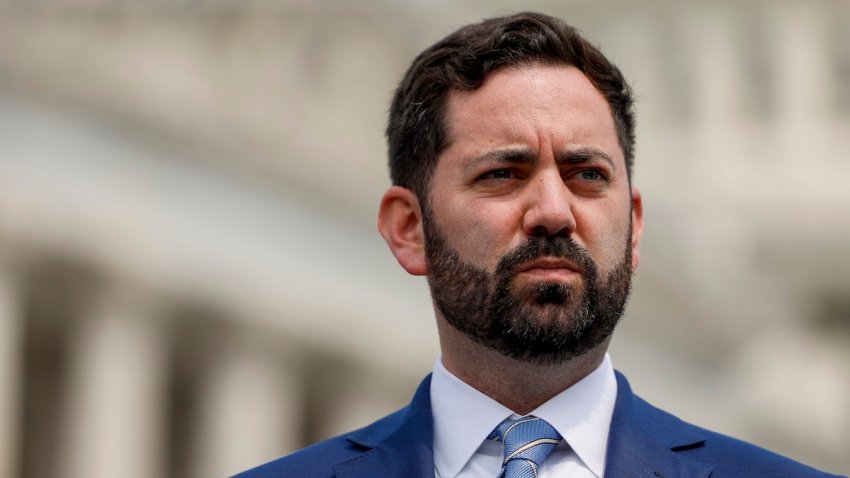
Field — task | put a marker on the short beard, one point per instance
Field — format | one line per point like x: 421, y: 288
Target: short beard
x: 549, y: 323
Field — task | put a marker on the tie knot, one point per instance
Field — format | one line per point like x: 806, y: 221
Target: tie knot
x: 528, y: 441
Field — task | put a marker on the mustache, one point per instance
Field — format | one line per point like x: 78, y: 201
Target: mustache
x: 534, y: 248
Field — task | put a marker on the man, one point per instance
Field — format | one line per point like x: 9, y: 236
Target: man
x: 511, y: 152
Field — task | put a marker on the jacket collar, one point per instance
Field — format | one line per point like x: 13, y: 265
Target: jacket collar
x: 399, y: 445
x: 644, y: 440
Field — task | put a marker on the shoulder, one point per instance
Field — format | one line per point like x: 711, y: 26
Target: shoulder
x: 320, y: 459
x: 728, y: 457
x: 317, y: 460
x: 397, y: 440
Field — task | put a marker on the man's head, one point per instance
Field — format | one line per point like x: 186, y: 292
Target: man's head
x: 416, y: 131
x: 524, y: 221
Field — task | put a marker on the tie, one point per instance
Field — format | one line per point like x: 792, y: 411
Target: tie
x: 528, y: 441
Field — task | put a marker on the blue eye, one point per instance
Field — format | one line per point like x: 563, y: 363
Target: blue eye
x: 497, y: 174
x: 591, y: 175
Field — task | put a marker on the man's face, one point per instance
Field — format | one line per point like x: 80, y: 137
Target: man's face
x: 530, y: 233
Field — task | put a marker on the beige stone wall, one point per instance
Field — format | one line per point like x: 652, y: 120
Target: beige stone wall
x: 190, y: 281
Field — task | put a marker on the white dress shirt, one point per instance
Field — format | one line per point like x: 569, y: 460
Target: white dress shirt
x: 464, y: 417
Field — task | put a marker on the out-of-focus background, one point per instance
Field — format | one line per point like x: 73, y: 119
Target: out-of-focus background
x: 190, y: 278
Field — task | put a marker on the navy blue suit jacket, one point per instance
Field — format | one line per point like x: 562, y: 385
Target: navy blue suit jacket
x: 644, y: 442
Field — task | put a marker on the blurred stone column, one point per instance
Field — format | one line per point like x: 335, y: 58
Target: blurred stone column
x: 11, y: 325
x: 250, y: 409
x: 717, y: 89
x: 115, y: 409
x: 803, y: 72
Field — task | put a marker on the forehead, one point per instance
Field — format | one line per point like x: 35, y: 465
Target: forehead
x: 534, y: 106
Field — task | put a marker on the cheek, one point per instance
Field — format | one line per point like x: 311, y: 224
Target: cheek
x: 606, y: 235
x: 482, y: 234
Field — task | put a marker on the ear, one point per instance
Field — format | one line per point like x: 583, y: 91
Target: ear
x: 400, y: 223
x: 637, y: 226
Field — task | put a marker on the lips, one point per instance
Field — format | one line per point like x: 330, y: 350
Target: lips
x: 548, y: 265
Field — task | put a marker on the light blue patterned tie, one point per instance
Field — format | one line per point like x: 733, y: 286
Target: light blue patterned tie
x: 528, y: 441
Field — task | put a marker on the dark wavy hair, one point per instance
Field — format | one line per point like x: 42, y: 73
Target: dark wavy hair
x: 416, y: 133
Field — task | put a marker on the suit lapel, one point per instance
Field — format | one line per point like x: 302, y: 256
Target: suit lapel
x: 401, y: 447
x: 644, y: 441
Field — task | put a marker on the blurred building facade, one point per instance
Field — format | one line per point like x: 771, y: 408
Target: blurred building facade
x: 191, y: 283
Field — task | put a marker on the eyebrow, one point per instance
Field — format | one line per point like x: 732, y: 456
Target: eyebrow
x: 516, y: 155
x: 522, y: 155
x: 583, y: 155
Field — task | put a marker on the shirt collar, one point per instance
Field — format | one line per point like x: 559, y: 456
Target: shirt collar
x: 582, y: 414
x: 463, y: 417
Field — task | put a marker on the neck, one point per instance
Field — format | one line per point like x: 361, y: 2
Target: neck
x: 519, y: 385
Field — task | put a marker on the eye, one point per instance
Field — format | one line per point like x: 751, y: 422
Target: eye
x: 496, y: 174
x: 592, y: 175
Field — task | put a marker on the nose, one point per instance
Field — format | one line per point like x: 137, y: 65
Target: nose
x: 548, y: 208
